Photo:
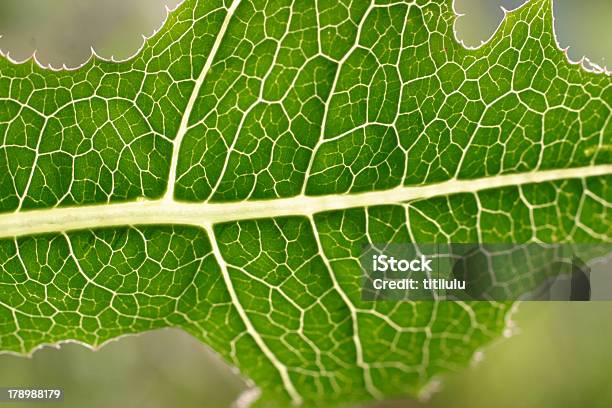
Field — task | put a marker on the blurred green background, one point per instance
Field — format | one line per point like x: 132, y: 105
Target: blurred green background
x: 561, y: 355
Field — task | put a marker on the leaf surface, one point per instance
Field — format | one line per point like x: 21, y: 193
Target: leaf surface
x: 225, y: 180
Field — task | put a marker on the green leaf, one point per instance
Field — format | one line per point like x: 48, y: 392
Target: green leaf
x: 225, y: 180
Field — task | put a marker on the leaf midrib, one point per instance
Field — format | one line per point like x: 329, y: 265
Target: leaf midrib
x: 163, y: 211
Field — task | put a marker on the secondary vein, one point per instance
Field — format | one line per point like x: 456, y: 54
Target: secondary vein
x: 184, y: 126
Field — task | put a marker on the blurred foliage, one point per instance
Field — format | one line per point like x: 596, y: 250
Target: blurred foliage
x: 560, y: 357
x: 165, y: 368
x: 63, y: 31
